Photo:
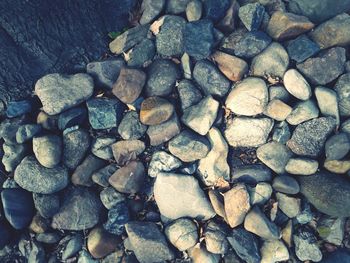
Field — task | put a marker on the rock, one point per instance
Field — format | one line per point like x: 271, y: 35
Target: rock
x: 342, y: 87
x: 170, y: 39
x: 251, y: 15
x: 201, y: 116
x: 257, y: 223
x: 9, y: 128
x: 309, y: 137
x: 301, y: 166
x: 128, y: 39
x: 46, y: 205
x: 48, y: 238
x: 337, y: 146
x: 85, y: 257
x: 345, y: 127
x: 274, y: 251
x: 117, y: 256
x: 148, y: 243
x: 130, y: 128
x: 176, y: 6
x: 155, y: 110
x: 287, y: 233
x: 72, y: 117
x: 101, y: 243
x: 251, y: 44
x: 215, y: 238
x: 129, y: 84
x: 182, y: 233
x: 188, y: 191
x: 247, y: 132
x: 110, y: 197
x: 74, y: 245
x: 18, y: 207
x: 274, y: 155
x: 189, y: 146
x: 102, y: 147
x: 327, y: 101
x: 272, y: 61
x: 339, y: 26
x: 303, y: 111
x: 306, y: 215
x: 42, y: 180
x: 215, y: 10
x: 18, y: 108
x: 199, y: 38
x: 248, y: 97
x: 48, y: 150
x: 278, y: 110
x: 83, y: 173
x: 302, y: 48
x: 104, y: 113
x: 283, y: 25
x: 13, y: 155
x: 281, y: 132
x: 251, y: 174
x: 141, y: 54
x: 335, y: 166
x: 128, y: 179
x: 290, y: 206
x: 102, y: 175
x: 125, y: 151
x: 229, y: 22
x: 75, y: 145
x: 210, y: 79
x: 260, y: 194
x: 47, y: 122
x: 188, y: 93
x: 150, y: 10
x: 39, y: 224
x: 279, y: 92
x: 118, y: 216
x: 59, y: 92
x: 194, y: 10
x: 237, y: 204
x: 296, y: 85
x: 214, y: 167
x: 306, y: 247
x: 331, y: 229
x: 217, y: 201
x: 162, y: 162
x: 245, y: 245
x: 186, y: 66
x: 161, y: 77
x: 338, y: 256
x: 26, y: 132
x: 325, y: 67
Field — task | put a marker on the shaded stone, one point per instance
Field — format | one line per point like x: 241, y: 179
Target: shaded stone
x: 338, y: 256
x: 46, y: 205
x: 229, y: 22
x: 281, y: 132
x: 18, y: 108
x: 251, y: 44
x: 189, y: 94
x: 125, y: 151
x: 194, y: 10
x: 327, y: 102
x: 141, y: 54
x: 46, y: 121
x: 306, y: 247
x: 9, y: 128
x: 118, y: 216
x: 155, y: 110
x: 26, y: 132
x: 290, y: 206
x: 102, y: 175
x: 13, y: 155
x: 277, y: 110
x: 251, y: 15
x: 48, y: 150
x: 182, y: 233
x: 331, y: 229
x: 217, y: 201
x: 176, y: 6
x: 215, y: 10
x: 162, y: 162
x: 101, y: 147
x: 131, y: 128
x: 251, y: 174
x: 301, y: 48
x: 274, y: 251
x: 337, y: 146
x: 110, y: 197
x: 303, y: 111
x: 48, y: 238
x: 301, y: 166
x: 342, y: 88
x: 296, y: 85
x: 215, y: 238
x: 72, y: 117
x: 232, y: 67
x: 150, y: 10
x: 274, y: 155
x: 83, y: 173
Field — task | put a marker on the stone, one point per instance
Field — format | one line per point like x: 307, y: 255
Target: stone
x: 170, y: 38
x: 18, y: 108
x: 342, y: 88
x: 289, y: 205
x: 284, y: 25
x: 251, y: 174
x: 75, y: 145
x: 42, y: 180
x: 302, y: 48
x: 118, y: 216
x: 46, y: 121
x: 13, y: 155
x: 274, y: 155
x: 129, y: 39
x: 273, y: 61
x: 287, y: 233
x: 188, y: 192
x: 296, y: 85
x: 165, y: 131
x: 182, y: 233
x: 301, y: 166
x: 100, y: 243
x: 325, y: 67
x: 209, y: 78
x: 161, y: 77
x: 199, y: 38
x: 155, y: 110
x: 129, y: 179
x: 274, y: 251
x: 186, y: 66
x: 58, y: 92
x: 327, y: 102
x: 309, y: 137
x: 281, y: 132
x: 335, y: 166
x: 215, y: 238
x: 176, y: 6
x: 217, y: 201
x: 194, y: 10
x: 162, y: 162
x: 48, y: 238
x: 9, y: 128
x: 26, y: 132
x: 201, y: 116
x: 46, y: 204
x: 141, y: 54
x: 129, y: 84
x: 237, y: 204
x: 131, y: 128
x: 277, y: 110
x: 189, y: 146
x: 148, y: 243
x: 303, y: 111
x: 337, y: 146
x: 229, y: 22
x: 102, y: 175
x: 48, y: 150
x: 345, y: 127
x: 85, y: 257
x: 150, y: 10
x: 338, y: 256
x: 83, y: 173
x: 110, y: 197
x: 215, y: 10
x: 73, y: 246
x: 306, y: 247
x: 248, y: 98
x: 214, y: 167
x: 257, y: 223
x: 18, y: 207
x: 260, y: 194
x: 125, y: 151
x: 189, y: 94
x: 247, y: 132
x: 104, y: 113
x: 199, y: 254
x: 106, y: 72
x: 251, y: 44
x: 72, y: 117
x: 101, y: 147
x: 251, y: 15
x: 331, y: 229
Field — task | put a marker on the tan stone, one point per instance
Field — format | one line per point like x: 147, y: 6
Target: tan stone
x: 278, y: 110
x: 100, y: 243
x: 338, y: 167
x: 155, y: 110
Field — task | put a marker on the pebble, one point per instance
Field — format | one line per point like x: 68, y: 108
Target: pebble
x: 309, y: 137
x: 237, y: 204
x: 273, y: 251
x: 335, y: 166
x: 148, y: 242
x: 141, y: 54
x: 247, y: 132
x: 18, y: 108
x: 48, y: 238
x: 162, y: 162
x: 39, y: 224
x: 251, y: 15
x: 150, y: 10
x: 85, y: 257
x: 302, y: 48
x: 176, y: 6
x: 101, y: 147
x: 327, y: 101
x: 46, y: 204
x: 201, y: 116
x: 188, y: 192
x: 72, y: 117
x: 331, y: 229
x: 106, y: 72
x: 129, y: 179
x: 42, y: 180
x: 83, y: 173
x: 100, y: 243
x: 296, y: 85
x: 303, y: 111
x: 337, y: 146
x: 47, y: 122
x: 118, y: 216
x: 289, y: 205
x: 325, y: 67
x: 210, y: 79
x: 342, y: 88
x: 80, y: 210
x: 338, y: 256
x: 306, y: 248
x: 48, y: 150
x: 110, y: 197
x: 13, y: 155
x: 189, y: 94
x: 251, y: 174
x: 104, y: 113
x: 161, y: 77
x: 248, y: 98
x: 277, y: 110
x: 274, y: 155
x: 155, y: 110
x: 26, y: 132
x: 58, y: 92
x: 217, y: 201
x: 260, y: 194
x: 229, y: 22
x: 102, y: 175
x: 182, y: 233
x: 73, y: 245
x: 9, y: 128
x: 131, y: 128
x: 186, y: 66
x: 281, y: 132
x: 301, y: 166
x: 215, y: 238
x: 286, y: 184
x: 251, y: 44
x: 125, y: 151
x: 194, y: 10
x: 189, y: 146
x: 215, y: 10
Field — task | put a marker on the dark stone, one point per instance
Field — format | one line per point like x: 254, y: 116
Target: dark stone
x: 118, y: 216
x: 5, y: 234
x: 18, y: 108
x: 251, y: 174
x: 252, y: 15
x: 215, y: 10
x: 251, y: 44
x: 141, y: 53
x: 339, y: 256
x: 47, y: 205
x: 302, y: 48
x: 72, y: 117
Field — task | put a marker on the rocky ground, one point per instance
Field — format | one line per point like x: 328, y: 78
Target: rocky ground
x: 216, y: 131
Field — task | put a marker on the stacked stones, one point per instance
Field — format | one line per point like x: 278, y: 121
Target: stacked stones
x: 218, y: 131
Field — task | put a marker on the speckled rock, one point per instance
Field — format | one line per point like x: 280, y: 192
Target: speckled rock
x: 189, y: 94
x: 131, y: 128
x: 150, y: 10
x: 162, y: 162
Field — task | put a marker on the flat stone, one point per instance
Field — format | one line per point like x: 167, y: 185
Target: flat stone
x: 48, y: 150
x: 303, y: 111
x: 18, y: 108
x: 110, y: 197
x: 251, y: 15
x: 26, y: 132
x: 278, y: 110
x: 100, y: 243
x: 337, y: 146
x: 336, y: 166
x: 290, y: 206
x: 301, y: 166
x: 189, y: 94
x: 194, y: 10
x: 306, y: 248
x: 274, y: 251
x: 251, y: 44
x: 13, y: 155
x: 327, y: 102
x: 190, y: 202
x: 150, y: 10
x: 46, y: 205
x: 342, y: 88
x: 101, y: 147
x: 182, y: 233
x: 155, y: 110
x: 72, y: 117
x: 59, y: 92
x: 296, y: 85
x: 215, y: 10
x: 215, y: 238
x: 281, y: 132
x: 251, y: 174
x: 131, y: 128
x: 141, y: 54
x: 42, y: 180
x: 260, y: 194
x: 302, y: 48
x: 248, y: 132
x: 125, y: 151
x: 162, y: 162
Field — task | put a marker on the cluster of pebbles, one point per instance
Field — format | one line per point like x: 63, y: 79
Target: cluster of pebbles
x: 219, y: 132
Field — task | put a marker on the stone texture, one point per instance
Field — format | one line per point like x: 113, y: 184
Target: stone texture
x: 251, y: 44
x: 296, y: 85
x: 141, y: 54
x: 232, y: 67
x: 336, y: 166
x: 13, y: 155
x: 274, y: 251
x: 279, y: 92
x: 155, y: 110
x: 289, y: 205
x: 342, y: 88
x: 150, y: 10
x: 46, y: 205
x: 301, y: 166
x: 125, y: 151
x: 182, y: 233
x: 110, y: 197
x: 100, y: 243
x: 189, y: 94
x: 337, y: 146
x: 251, y: 174
x: 260, y: 194
x: 27, y: 132
x: 301, y: 48
x: 251, y: 15
x: 101, y: 147
x: 306, y: 247
x: 194, y: 10
x: 162, y: 162
x: 165, y: 131
x: 72, y: 117
x: 131, y: 128
x: 215, y: 238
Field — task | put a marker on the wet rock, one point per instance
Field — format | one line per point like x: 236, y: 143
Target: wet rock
x: 13, y: 155
x: 194, y: 10
x: 150, y: 10
x: 301, y: 166
x: 131, y: 128
x: 101, y: 243
x: 72, y: 117
x: 46, y: 204
x: 251, y: 44
x: 162, y: 162
x: 48, y: 150
x: 83, y: 173
x: 302, y: 48
x: 337, y: 146
x: 232, y: 67
x: 251, y: 174
x: 125, y: 151
x: 278, y: 110
x: 101, y: 147
x: 306, y: 247
x: 118, y: 216
x: 188, y: 93
x: 290, y: 206
x: 155, y: 110
x: 182, y: 233
x: 141, y: 54
x: 215, y: 238
x: 297, y: 85
x: 215, y: 10
x: 251, y: 15
x: 281, y: 132
x: 327, y: 101
x: 342, y: 87
x: 260, y: 194
x: 303, y: 111
x: 102, y: 175
x: 110, y: 197
x: 27, y: 132
x: 274, y: 251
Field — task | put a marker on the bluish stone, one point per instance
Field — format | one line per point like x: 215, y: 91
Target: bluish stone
x: 104, y: 113
x: 252, y: 15
x: 72, y: 117
x: 302, y: 48
x: 5, y: 234
x: 339, y: 256
x: 18, y: 108
x: 118, y: 216
x: 251, y: 44
x: 215, y: 10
